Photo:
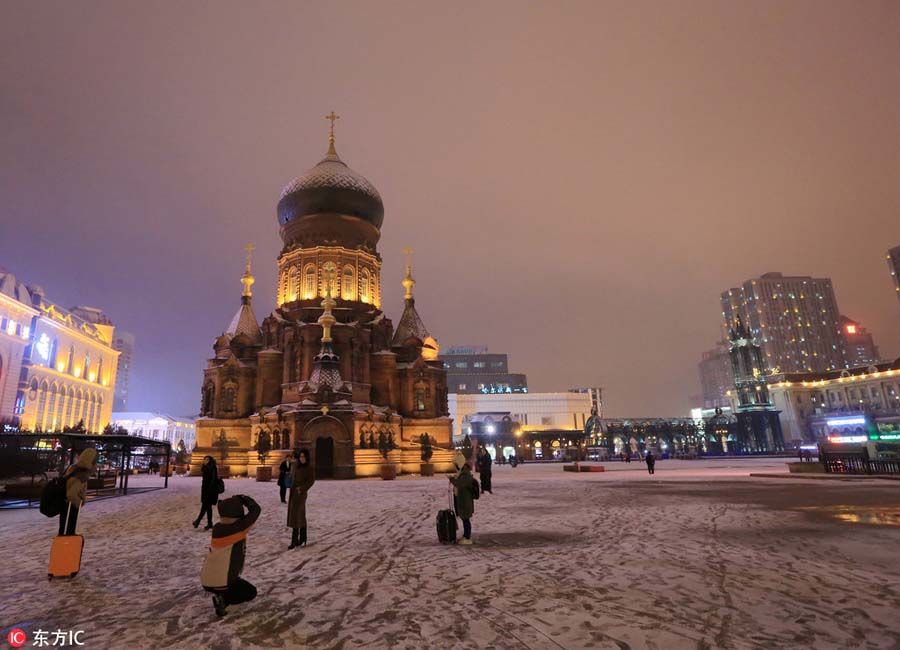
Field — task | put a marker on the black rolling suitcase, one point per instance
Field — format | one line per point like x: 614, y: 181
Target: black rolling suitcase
x: 446, y: 524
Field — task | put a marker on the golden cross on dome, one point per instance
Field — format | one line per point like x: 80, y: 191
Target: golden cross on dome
x: 331, y: 116
x: 249, y: 248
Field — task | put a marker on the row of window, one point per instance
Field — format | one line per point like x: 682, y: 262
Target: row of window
x: 47, y: 354
x: 60, y: 407
x: 306, y: 285
x: 13, y: 328
x: 475, y: 364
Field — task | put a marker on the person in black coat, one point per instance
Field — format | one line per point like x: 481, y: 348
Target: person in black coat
x: 209, y: 491
x: 284, y: 477
x: 651, y: 462
x: 483, y: 463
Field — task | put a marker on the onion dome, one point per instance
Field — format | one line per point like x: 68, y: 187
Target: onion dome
x: 331, y: 187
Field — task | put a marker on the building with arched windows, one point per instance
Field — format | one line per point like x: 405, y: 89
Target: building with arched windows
x: 326, y: 370
x: 66, y: 370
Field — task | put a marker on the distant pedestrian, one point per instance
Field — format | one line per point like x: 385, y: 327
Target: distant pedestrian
x: 209, y: 491
x: 628, y: 457
x: 483, y: 463
x: 221, y: 573
x: 284, y: 477
x: 651, y: 462
x: 463, y: 485
x: 302, y: 478
x: 76, y: 489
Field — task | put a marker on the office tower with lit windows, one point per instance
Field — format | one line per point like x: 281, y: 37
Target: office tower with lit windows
x: 858, y: 343
x: 473, y: 370
x: 716, y: 376
x: 124, y: 343
x: 794, y: 319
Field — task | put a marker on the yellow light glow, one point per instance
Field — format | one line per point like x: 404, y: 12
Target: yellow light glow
x: 77, y: 372
x: 60, y: 366
x: 92, y: 376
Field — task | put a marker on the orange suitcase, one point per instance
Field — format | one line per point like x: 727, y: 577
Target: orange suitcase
x: 65, y: 556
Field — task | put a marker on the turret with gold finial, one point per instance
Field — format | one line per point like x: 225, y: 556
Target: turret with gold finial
x: 247, y: 279
x: 408, y: 281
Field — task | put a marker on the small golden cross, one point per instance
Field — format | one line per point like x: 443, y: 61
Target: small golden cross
x: 249, y: 248
x: 332, y: 117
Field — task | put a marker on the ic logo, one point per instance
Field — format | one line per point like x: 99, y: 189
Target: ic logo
x: 16, y: 637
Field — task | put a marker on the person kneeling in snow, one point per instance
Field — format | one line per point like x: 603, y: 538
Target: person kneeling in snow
x: 221, y: 574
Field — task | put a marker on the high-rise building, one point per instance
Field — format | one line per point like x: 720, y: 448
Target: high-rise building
x: 716, y: 376
x: 858, y: 343
x: 124, y: 343
x: 794, y: 319
x: 893, y: 260
x: 471, y: 370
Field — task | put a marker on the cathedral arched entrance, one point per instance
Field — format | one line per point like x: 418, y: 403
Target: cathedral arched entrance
x: 324, y: 463
x: 330, y: 447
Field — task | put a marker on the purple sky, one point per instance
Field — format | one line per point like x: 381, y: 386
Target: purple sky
x: 580, y: 180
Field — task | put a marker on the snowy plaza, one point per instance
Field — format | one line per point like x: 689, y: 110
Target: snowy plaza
x: 700, y: 555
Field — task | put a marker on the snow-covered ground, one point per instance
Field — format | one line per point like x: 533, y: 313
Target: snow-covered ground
x: 697, y: 556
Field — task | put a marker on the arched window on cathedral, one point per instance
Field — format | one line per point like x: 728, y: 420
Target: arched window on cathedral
x: 364, y: 285
x: 309, y: 282
x: 348, y: 289
x: 206, y: 400
x: 229, y: 397
x: 286, y: 439
x: 294, y: 288
x: 420, y: 399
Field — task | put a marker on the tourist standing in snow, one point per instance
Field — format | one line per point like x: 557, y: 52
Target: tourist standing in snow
x: 651, y: 462
x: 221, y: 573
x: 284, y: 477
x: 302, y: 478
x: 483, y: 463
x: 209, y: 491
x: 463, y: 484
x: 76, y: 489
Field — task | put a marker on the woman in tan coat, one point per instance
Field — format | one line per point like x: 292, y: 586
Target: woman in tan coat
x: 302, y: 478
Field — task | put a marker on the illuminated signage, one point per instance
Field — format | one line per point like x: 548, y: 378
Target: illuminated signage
x: 847, y: 439
x: 840, y: 422
x: 851, y: 329
x: 886, y: 436
x: 43, y: 347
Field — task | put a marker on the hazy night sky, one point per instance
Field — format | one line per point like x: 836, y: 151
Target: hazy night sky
x: 580, y: 180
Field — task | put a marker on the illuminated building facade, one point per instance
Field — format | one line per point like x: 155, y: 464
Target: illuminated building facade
x: 157, y: 426
x: 473, y: 413
x: 326, y: 370
x: 16, y: 318
x: 795, y: 320
x: 472, y: 370
x: 861, y: 401
x: 858, y: 343
x: 68, y: 367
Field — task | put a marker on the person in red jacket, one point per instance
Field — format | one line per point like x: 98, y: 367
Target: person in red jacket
x: 221, y: 573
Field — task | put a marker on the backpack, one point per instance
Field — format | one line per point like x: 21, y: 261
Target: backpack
x: 476, y: 489
x: 53, y: 497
